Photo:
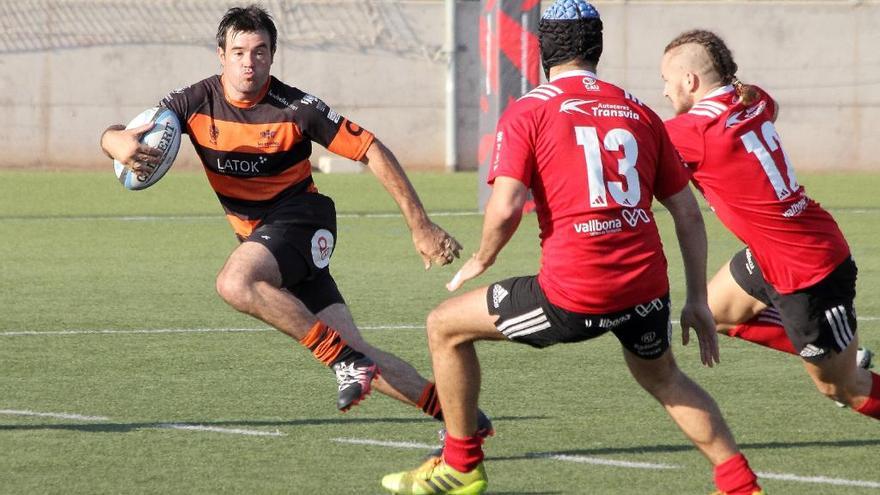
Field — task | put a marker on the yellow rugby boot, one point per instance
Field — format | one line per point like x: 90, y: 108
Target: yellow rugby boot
x: 437, y: 477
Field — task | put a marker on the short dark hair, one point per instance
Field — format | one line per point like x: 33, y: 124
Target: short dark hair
x: 248, y: 19
x: 563, y: 40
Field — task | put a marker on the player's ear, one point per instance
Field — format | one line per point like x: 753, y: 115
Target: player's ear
x: 692, y: 82
x: 221, y: 55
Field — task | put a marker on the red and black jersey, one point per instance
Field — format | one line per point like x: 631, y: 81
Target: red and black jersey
x: 256, y: 155
x: 595, y: 158
x: 738, y: 163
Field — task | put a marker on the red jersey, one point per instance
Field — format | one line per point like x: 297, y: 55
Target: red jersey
x: 256, y: 155
x: 594, y: 158
x: 737, y: 162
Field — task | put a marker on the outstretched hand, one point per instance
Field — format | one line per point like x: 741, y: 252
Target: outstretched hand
x: 699, y: 318
x: 435, y: 245
x: 472, y: 268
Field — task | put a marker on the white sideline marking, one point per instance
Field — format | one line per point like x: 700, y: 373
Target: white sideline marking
x: 382, y: 443
x: 33, y: 333
x: 818, y: 479
x: 211, y: 217
x: 13, y: 412
x: 608, y: 462
x: 214, y: 429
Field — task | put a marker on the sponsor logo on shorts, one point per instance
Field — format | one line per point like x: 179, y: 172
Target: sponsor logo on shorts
x: 811, y: 351
x: 649, y: 345
x: 498, y: 295
x: 644, y: 310
x: 612, y: 322
x: 750, y: 263
x: 633, y: 216
x: 322, y: 247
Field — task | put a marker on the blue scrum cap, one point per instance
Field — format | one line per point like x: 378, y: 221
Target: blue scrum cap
x: 570, y: 10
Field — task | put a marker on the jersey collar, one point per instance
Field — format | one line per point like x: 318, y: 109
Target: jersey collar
x: 246, y: 104
x: 573, y: 73
x: 717, y: 92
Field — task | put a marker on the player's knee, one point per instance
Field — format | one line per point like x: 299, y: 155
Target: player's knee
x: 657, y: 375
x: 438, y: 326
x: 234, y: 290
x: 834, y: 391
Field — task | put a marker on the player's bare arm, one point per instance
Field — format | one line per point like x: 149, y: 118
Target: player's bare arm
x: 691, y: 233
x: 503, y: 214
x: 122, y: 145
x: 434, y: 244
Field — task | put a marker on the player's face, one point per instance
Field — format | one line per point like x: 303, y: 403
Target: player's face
x: 246, y: 61
x: 676, y: 87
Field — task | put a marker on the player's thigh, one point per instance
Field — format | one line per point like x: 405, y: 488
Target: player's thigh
x: 835, y: 370
x: 463, y: 318
x: 730, y: 303
x: 651, y: 373
x: 250, y: 262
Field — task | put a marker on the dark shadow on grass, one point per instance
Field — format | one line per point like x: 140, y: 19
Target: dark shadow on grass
x: 107, y: 427
x: 648, y: 449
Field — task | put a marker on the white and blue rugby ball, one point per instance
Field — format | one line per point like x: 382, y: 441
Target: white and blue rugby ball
x: 164, y: 136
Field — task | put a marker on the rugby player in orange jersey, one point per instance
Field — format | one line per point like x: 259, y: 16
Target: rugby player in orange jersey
x: 797, y: 261
x: 595, y: 158
x: 253, y: 135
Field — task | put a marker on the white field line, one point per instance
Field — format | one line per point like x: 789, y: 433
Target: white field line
x: 414, y: 445
x: 818, y: 479
x: 382, y: 443
x: 608, y: 462
x: 172, y: 426
x: 12, y: 412
x: 211, y: 217
x: 214, y: 429
x: 36, y: 333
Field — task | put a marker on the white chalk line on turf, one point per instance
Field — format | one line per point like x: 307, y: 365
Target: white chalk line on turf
x: 212, y: 218
x: 607, y: 462
x: 39, y: 333
x: 79, y: 417
x: 169, y: 426
x: 147, y: 331
x: 214, y: 429
x: 818, y: 479
x: 383, y: 443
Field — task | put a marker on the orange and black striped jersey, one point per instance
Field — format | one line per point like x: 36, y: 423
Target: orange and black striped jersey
x: 256, y: 155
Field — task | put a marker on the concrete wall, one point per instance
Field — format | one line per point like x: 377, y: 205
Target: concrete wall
x: 821, y: 60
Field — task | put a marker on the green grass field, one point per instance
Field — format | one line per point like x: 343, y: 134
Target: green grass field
x: 97, y: 282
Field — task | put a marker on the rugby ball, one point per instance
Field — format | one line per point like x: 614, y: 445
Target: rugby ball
x: 164, y: 136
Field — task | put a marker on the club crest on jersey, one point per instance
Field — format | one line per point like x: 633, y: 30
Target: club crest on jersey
x: 590, y: 83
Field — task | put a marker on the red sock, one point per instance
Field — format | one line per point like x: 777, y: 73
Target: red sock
x: 463, y: 454
x: 871, y: 407
x: 429, y: 402
x: 765, y: 329
x: 735, y: 477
